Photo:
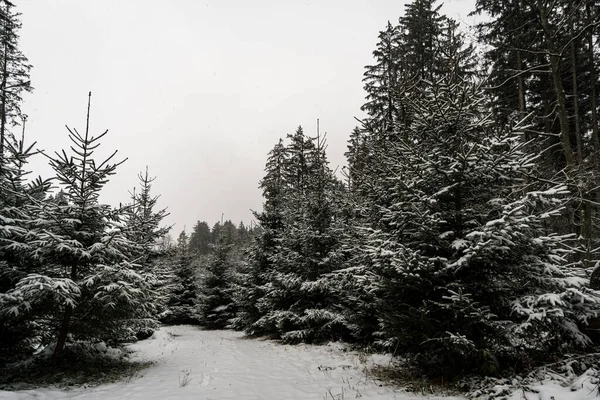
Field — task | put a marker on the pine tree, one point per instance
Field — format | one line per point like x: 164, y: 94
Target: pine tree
x: 215, y: 232
x: 17, y: 196
x: 253, y: 281
x: 14, y: 73
x: 296, y: 304
x: 215, y: 300
x: 182, y: 292
x: 230, y: 232
x: 243, y: 235
x: 427, y: 47
x: 381, y: 82
x: 421, y: 28
x: 82, y: 283
x: 200, y: 239
x: 465, y: 270
x: 183, y: 244
x: 143, y: 220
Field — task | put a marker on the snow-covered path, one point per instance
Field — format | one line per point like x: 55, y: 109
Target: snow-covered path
x: 223, y: 365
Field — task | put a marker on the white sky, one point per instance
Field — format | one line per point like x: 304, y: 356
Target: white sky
x: 199, y: 91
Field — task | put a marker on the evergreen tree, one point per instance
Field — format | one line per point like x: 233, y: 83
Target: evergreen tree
x: 182, y: 292
x: 243, y: 234
x: 297, y: 304
x: 17, y: 198
x: 357, y: 157
x: 421, y: 28
x: 381, y: 82
x: 200, y: 239
x: 144, y: 228
x: 544, y: 63
x: 182, y: 244
x: 465, y: 270
x: 82, y: 283
x: 426, y: 48
x: 16, y: 194
x: 253, y: 281
x: 143, y: 220
x: 230, y: 232
x: 215, y: 232
x: 14, y: 73
x: 510, y: 33
x: 216, y: 305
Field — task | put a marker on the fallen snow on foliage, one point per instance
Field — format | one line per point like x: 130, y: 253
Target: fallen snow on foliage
x: 584, y: 387
x: 221, y: 365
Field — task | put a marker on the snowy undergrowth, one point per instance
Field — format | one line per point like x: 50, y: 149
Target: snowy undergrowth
x: 574, y: 378
x: 82, y: 364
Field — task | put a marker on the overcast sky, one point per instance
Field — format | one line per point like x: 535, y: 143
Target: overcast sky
x: 199, y: 91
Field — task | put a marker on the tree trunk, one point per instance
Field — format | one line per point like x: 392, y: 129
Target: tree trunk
x: 458, y: 220
x: 62, y: 335
x: 65, y: 325
x: 576, y: 101
x: 3, y: 101
x: 563, y: 116
x: 587, y: 229
x: 593, y: 105
x: 582, y: 217
x: 521, y: 83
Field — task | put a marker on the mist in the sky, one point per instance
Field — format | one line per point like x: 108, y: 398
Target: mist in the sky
x: 200, y: 91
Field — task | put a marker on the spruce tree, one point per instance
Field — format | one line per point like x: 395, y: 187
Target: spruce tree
x: 82, y: 282
x: 230, y: 232
x: 16, y: 193
x: 215, y: 299
x: 144, y: 228
x: 465, y: 271
x: 17, y: 198
x: 181, y: 292
x: 142, y: 218
x: 215, y: 232
x: 14, y: 74
x: 243, y: 235
x: 425, y: 47
x: 381, y: 82
x: 182, y: 244
x: 297, y: 304
x: 357, y: 157
x: 200, y: 239
x: 253, y: 282
x: 421, y: 28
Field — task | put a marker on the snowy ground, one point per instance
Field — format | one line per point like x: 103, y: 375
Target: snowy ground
x: 221, y: 365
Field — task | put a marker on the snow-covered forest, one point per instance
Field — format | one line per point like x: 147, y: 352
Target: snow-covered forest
x: 461, y: 238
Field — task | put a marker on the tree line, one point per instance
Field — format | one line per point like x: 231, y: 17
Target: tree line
x: 202, y: 238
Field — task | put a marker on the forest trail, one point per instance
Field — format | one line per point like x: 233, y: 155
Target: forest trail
x: 221, y: 365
